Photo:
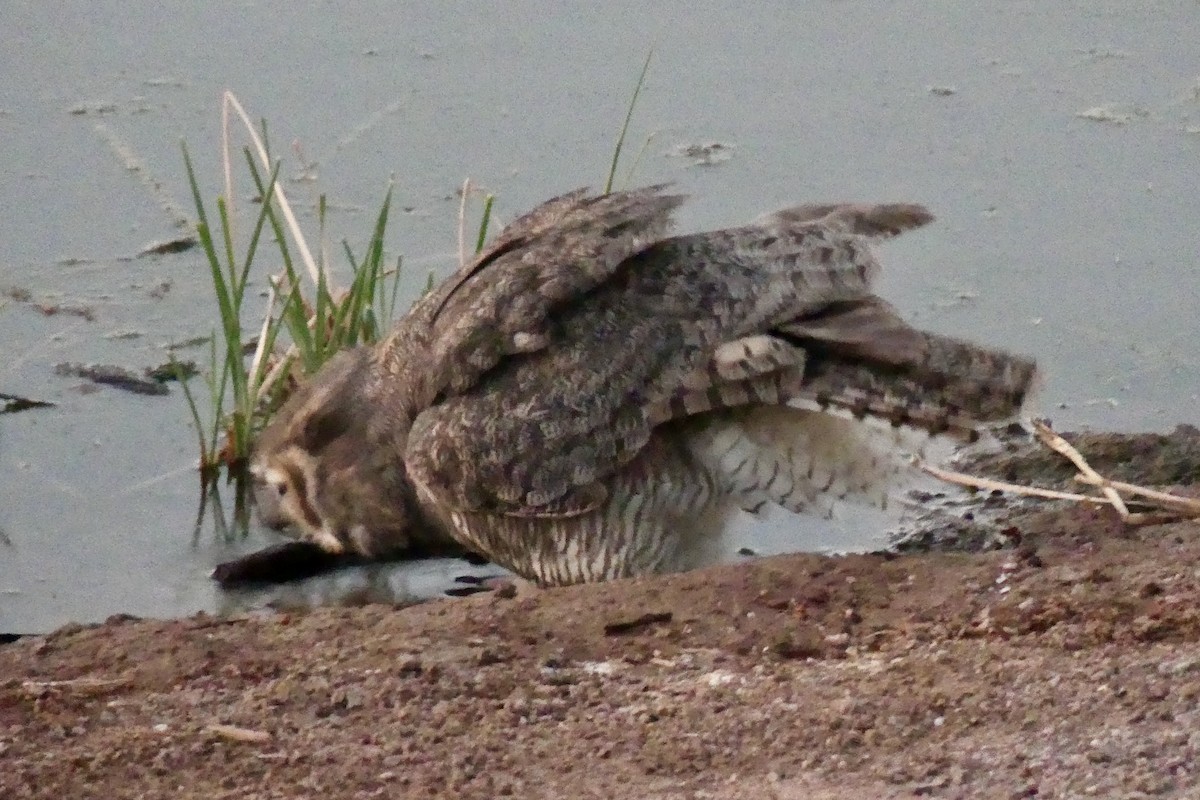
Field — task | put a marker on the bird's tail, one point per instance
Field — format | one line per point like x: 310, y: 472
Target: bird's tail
x: 864, y: 359
x: 882, y: 220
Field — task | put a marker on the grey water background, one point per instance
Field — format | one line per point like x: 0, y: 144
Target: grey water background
x: 1058, y: 143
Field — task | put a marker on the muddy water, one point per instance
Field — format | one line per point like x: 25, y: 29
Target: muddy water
x: 1059, y: 144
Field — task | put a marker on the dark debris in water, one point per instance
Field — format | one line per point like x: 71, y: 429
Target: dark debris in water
x: 171, y: 371
x: 72, y: 309
x: 94, y: 108
x: 49, y: 309
x: 703, y: 154
x: 183, y: 344
x: 12, y: 403
x: 151, y: 382
x: 116, y: 377
x: 180, y: 244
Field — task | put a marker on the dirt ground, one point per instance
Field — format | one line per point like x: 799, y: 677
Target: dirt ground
x: 1062, y: 662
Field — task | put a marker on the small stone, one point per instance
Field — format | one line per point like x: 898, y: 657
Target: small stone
x: 1150, y: 589
x: 487, y: 657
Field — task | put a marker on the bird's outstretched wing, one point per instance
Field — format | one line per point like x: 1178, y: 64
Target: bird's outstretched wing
x: 498, y: 304
x: 539, y: 434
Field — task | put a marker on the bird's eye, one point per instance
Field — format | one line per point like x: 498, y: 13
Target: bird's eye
x: 281, y: 488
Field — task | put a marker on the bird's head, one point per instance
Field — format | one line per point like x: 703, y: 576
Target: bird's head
x: 321, y: 475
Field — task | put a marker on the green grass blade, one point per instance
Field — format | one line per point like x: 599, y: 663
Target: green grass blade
x: 638, y: 159
x: 293, y: 314
x: 256, y: 234
x: 481, y: 239
x: 266, y: 140
x: 348, y: 313
x: 218, y: 395
x: 191, y: 174
x: 387, y: 313
x: 612, y: 170
x: 268, y: 201
x: 231, y: 313
x: 177, y: 368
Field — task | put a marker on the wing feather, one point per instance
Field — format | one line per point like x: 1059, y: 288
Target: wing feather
x: 541, y: 433
x: 498, y: 305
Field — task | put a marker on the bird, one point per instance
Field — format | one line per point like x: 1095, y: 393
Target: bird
x: 592, y: 397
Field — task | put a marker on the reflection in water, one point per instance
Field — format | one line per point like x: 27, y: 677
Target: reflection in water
x: 397, y: 583
x: 224, y: 514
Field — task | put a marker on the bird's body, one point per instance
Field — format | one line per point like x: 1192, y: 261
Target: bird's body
x: 590, y: 400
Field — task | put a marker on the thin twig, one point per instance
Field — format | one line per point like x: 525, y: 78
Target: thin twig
x: 974, y: 482
x: 1061, y: 446
x: 1182, y: 505
x: 236, y: 733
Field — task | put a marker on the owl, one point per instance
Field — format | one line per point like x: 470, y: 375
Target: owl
x: 593, y: 398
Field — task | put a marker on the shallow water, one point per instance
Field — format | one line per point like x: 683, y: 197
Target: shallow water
x: 1058, y: 235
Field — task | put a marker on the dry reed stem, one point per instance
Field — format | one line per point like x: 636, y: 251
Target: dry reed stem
x: 230, y: 101
x: 260, y: 347
x: 462, y: 224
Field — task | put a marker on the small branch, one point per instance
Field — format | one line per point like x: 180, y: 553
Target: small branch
x: 1181, y: 505
x: 1061, y: 446
x: 987, y: 484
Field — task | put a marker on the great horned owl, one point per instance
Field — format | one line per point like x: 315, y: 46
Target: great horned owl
x: 591, y: 399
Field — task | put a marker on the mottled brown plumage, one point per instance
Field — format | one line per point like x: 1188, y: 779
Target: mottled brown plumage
x: 591, y: 399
